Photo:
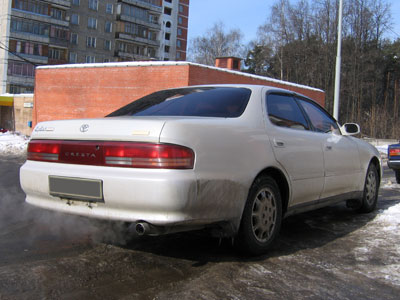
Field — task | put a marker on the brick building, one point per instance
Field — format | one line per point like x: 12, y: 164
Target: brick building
x: 95, y: 90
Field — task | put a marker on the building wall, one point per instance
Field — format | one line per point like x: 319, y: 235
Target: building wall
x: 70, y: 93
x: 201, y: 75
x: 91, y: 91
x: 23, y: 108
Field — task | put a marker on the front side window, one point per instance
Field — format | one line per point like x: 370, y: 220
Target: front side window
x: 283, y: 111
x: 320, y: 119
x: 218, y: 102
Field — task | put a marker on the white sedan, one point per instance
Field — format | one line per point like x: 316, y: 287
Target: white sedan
x: 234, y: 158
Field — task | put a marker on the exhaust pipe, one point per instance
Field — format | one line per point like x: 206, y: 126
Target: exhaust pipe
x: 142, y: 228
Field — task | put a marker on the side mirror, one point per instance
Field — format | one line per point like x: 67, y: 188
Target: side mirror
x: 350, y: 129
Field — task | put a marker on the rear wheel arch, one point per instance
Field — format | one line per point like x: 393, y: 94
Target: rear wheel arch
x: 281, y: 181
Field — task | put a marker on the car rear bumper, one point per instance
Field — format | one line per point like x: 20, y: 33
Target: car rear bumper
x: 394, y: 164
x: 160, y: 197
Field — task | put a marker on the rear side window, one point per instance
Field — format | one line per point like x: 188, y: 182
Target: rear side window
x: 283, y: 111
x: 224, y: 102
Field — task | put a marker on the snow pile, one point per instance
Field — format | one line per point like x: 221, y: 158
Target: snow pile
x: 13, y: 144
x: 390, y: 218
x: 383, y: 149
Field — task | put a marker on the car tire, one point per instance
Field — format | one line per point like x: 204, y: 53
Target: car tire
x: 397, y: 173
x: 371, y: 188
x: 261, y: 219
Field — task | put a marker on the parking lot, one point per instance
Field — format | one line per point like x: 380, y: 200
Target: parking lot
x: 331, y: 253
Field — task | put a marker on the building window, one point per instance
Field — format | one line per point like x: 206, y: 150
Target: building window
x: 20, y: 69
x: 57, y: 13
x: 180, y: 8
x: 108, y: 26
x: 90, y: 59
x: 93, y: 4
x: 26, y: 48
x: 123, y: 47
x: 107, y: 45
x: 75, y: 19
x: 61, y: 33
x: 167, y: 11
x: 35, y: 7
x: 109, y: 8
x: 178, y: 44
x: 180, y: 20
x: 74, y: 38
x: 73, y: 57
x: 75, y: 2
x: 168, y: 24
x: 180, y: 31
x: 91, y: 42
x: 178, y: 55
x: 55, y: 54
x: 106, y: 60
x: 19, y: 25
x: 169, y: 1
x: 92, y: 23
x: 166, y: 49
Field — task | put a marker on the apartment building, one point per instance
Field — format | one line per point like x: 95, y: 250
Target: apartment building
x: 32, y: 33
x: 40, y: 32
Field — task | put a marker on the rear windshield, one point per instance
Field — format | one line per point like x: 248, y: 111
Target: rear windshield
x: 223, y: 102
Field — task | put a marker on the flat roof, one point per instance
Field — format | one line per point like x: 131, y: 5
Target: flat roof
x: 173, y: 63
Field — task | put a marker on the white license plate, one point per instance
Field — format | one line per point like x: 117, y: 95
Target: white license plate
x: 80, y: 189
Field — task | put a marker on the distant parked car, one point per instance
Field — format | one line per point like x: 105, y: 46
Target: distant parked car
x: 238, y: 158
x: 394, y: 160
x: 3, y: 130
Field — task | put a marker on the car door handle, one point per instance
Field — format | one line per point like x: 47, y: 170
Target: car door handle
x: 328, y: 148
x: 279, y: 143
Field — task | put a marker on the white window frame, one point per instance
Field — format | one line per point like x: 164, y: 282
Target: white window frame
x: 91, y: 42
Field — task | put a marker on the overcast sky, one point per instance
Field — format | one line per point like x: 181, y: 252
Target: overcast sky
x: 247, y: 15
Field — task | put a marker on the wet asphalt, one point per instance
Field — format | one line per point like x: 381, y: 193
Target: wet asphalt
x: 332, y: 253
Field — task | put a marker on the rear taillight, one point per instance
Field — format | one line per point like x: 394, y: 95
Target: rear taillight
x: 43, y: 150
x: 394, y: 151
x: 113, y: 154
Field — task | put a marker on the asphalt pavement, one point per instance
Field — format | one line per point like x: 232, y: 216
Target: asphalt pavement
x: 332, y: 253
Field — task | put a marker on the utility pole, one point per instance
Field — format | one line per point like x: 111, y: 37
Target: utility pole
x: 338, y: 62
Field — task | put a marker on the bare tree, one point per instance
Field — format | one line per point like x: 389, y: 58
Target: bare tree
x: 216, y: 42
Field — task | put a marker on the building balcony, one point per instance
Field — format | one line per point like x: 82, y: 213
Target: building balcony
x: 20, y: 80
x: 57, y: 61
x: 132, y: 38
x: 130, y: 19
x: 36, y: 59
x: 39, y: 18
x: 66, y: 3
x: 30, y: 37
x: 125, y: 56
x: 144, y: 4
x: 58, y: 42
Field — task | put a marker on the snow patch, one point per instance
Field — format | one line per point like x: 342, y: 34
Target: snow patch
x: 13, y: 144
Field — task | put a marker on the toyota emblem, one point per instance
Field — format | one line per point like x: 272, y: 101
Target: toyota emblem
x: 84, y: 128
